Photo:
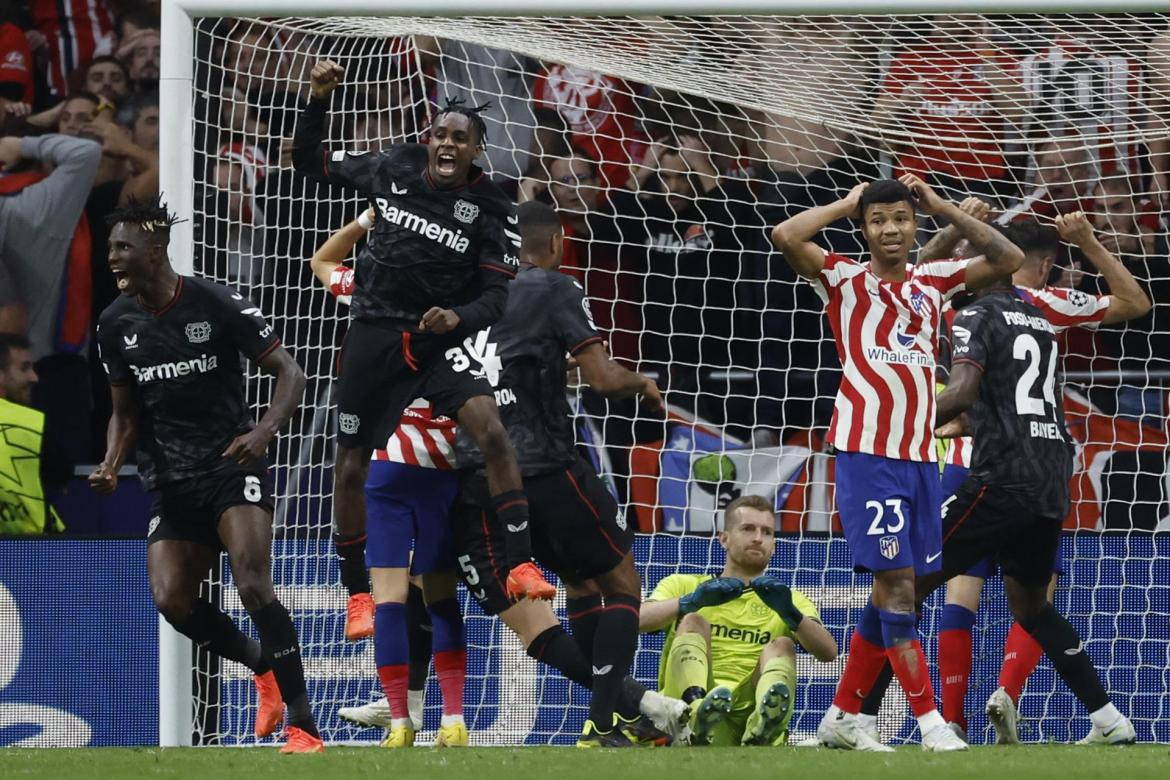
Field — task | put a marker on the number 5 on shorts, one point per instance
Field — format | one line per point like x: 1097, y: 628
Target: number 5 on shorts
x: 252, y: 490
x: 879, y: 514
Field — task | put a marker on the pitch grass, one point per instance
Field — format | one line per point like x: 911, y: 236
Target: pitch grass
x: 532, y: 763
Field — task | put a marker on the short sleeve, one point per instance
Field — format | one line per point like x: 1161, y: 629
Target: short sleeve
x: 949, y: 277
x: 110, y: 353
x: 833, y: 273
x: 672, y: 587
x: 1065, y: 308
x: 500, y: 242
x: 341, y: 284
x: 805, y: 605
x: 253, y: 336
x: 571, y: 317
x: 970, y: 334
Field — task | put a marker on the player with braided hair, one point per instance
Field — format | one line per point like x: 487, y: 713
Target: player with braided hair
x: 430, y: 283
x: 171, y: 346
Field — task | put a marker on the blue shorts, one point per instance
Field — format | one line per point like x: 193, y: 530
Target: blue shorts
x: 952, y: 478
x: 891, y: 512
x: 409, y: 506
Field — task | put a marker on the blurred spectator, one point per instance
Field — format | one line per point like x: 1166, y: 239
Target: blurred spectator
x: 1073, y: 87
x: 74, y: 31
x: 33, y: 462
x: 1158, y: 72
x: 693, y: 236
x: 947, y: 103
x: 16, y: 60
x: 45, y: 252
x: 106, y: 76
x: 233, y: 236
x: 482, y: 75
x: 142, y: 54
x: 1128, y: 227
x: 598, y: 111
x: 139, y: 115
x: 1064, y: 181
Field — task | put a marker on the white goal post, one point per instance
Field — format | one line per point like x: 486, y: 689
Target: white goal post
x: 179, y: 174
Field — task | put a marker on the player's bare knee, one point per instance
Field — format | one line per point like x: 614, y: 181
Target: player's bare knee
x: 174, y: 605
x: 894, y: 590
x: 493, y: 441
x: 694, y: 623
x: 622, y: 580
x: 254, y: 586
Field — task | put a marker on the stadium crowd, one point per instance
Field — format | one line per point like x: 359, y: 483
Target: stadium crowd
x: 665, y: 199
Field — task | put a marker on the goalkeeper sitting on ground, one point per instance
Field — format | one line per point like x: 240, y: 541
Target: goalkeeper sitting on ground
x: 730, y: 647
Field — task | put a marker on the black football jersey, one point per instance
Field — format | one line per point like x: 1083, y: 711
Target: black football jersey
x: 1021, y: 444
x: 525, y: 357
x: 428, y: 244
x: 183, y: 361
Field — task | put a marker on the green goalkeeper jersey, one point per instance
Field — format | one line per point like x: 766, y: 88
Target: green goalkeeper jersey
x: 739, y: 629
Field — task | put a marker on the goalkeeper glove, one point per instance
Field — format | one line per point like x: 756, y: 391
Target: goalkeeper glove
x: 778, y: 597
x: 711, y: 593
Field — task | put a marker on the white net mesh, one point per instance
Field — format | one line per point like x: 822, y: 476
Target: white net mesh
x: 670, y: 146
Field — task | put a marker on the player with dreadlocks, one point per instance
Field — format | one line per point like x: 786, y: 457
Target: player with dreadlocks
x: 429, y: 284
x: 171, y: 346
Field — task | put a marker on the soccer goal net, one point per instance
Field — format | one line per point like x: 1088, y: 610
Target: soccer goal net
x: 670, y: 145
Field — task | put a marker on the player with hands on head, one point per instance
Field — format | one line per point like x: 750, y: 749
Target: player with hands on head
x: 428, y: 285
x: 730, y: 649
x: 887, y: 484
x: 171, y: 346
x: 1063, y: 308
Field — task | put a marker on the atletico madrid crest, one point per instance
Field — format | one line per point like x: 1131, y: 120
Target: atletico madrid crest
x: 889, y: 547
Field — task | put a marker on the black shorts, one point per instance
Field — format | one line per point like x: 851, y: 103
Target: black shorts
x: 577, y: 532
x: 384, y: 368
x: 984, y: 521
x: 189, y: 510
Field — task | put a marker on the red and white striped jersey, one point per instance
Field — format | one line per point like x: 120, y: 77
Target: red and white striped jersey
x: 76, y: 30
x: 421, y: 438
x: 887, y: 342
x: 959, y: 452
x: 1065, y: 308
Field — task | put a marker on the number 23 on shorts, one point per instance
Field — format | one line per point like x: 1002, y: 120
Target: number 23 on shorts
x: 888, y: 517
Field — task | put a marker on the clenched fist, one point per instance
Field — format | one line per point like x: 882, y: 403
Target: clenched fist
x: 324, y: 78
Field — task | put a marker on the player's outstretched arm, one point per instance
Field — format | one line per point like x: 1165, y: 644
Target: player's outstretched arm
x: 308, y: 155
x: 290, y: 386
x: 337, y: 247
x: 793, y: 237
x: 121, y: 434
x: 613, y: 380
x: 960, y: 394
x: 942, y: 244
x: 997, y: 258
x: 1127, y: 299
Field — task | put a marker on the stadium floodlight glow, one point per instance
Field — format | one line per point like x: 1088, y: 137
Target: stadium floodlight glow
x: 798, y: 106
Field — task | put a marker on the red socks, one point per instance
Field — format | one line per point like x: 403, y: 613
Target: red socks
x: 394, y: 682
x: 451, y: 671
x: 862, y: 667
x: 1021, y: 654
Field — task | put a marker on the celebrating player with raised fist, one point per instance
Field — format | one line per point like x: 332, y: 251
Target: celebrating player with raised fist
x: 434, y: 274
x: 171, y: 346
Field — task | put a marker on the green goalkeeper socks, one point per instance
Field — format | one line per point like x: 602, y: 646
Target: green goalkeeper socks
x: 687, y: 665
